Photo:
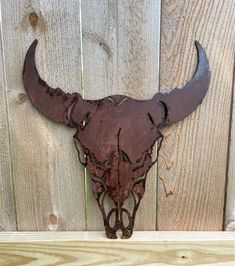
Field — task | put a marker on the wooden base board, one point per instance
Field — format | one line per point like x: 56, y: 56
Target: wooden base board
x: 93, y: 248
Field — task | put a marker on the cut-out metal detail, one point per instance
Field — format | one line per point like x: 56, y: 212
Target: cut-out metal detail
x: 117, y: 134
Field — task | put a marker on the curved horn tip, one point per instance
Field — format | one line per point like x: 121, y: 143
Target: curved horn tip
x: 200, y: 49
x: 33, y: 45
x: 197, y: 43
x: 182, y: 102
x: 30, y: 53
x: 31, y: 50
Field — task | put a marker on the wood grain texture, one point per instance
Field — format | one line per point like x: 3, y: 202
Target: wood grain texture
x: 138, y: 236
x: 34, y: 249
x: 7, y: 204
x: 230, y: 201
x: 99, y: 21
x: 138, y: 77
x: 48, y: 178
x: 121, y: 56
x: 192, y: 168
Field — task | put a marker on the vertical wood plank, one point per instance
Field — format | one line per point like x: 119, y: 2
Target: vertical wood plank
x: 194, y: 154
x: 138, y: 76
x: 99, y: 23
x: 7, y: 205
x: 230, y: 193
x: 121, y: 56
x: 48, y: 178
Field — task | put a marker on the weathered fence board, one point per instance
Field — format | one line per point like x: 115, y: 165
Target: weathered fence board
x: 230, y: 193
x: 100, y: 71
x: 138, y: 76
x: 7, y: 205
x: 194, y: 154
x: 48, y: 179
x: 90, y: 248
x: 121, y: 56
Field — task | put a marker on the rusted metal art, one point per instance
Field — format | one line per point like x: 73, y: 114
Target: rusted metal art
x: 117, y: 134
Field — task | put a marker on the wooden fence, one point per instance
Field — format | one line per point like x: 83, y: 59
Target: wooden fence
x: 103, y: 47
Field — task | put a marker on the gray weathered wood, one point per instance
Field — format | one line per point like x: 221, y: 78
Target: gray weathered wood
x: 7, y: 205
x: 100, y: 70
x: 121, y: 56
x: 138, y: 76
x: 48, y: 178
x: 194, y: 154
x: 230, y: 201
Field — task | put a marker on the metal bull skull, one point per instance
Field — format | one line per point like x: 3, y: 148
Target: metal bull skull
x: 117, y: 133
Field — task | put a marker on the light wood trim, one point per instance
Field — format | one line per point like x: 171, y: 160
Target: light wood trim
x: 92, y: 248
x: 141, y: 236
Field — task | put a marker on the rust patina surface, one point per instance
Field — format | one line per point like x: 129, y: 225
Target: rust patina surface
x: 117, y: 134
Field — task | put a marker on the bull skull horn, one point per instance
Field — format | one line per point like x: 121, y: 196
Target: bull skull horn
x: 53, y: 103
x: 179, y: 103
